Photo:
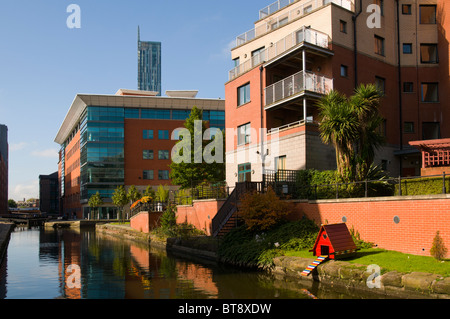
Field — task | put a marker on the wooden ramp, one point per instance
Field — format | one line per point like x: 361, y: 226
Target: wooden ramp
x: 313, y: 266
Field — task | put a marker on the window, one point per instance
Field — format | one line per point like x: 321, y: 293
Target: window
x: 257, y: 56
x: 163, y: 134
x: 148, y: 134
x: 408, y: 87
x: 244, y: 94
x: 244, y: 134
x: 344, y: 71
x: 163, y: 175
x: 147, y: 175
x: 343, y: 26
x: 131, y: 113
x: 428, y: 53
x: 380, y: 83
x: 237, y: 61
x: 406, y: 9
x: 408, y: 127
x: 245, y: 172
x: 427, y: 14
x: 307, y: 9
x: 180, y: 114
x: 407, y: 48
x: 280, y: 163
x: 379, y: 45
x: 431, y: 130
x: 155, y: 114
x: 147, y: 154
x: 163, y: 155
x: 430, y: 92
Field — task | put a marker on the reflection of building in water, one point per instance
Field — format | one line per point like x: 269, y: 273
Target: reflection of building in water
x: 163, y: 277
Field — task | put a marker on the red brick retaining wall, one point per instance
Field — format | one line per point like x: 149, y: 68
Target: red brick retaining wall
x: 420, y: 217
x: 145, y: 221
x: 200, y: 214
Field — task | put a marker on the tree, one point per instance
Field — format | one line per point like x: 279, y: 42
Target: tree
x: 12, y: 203
x: 120, y: 199
x: 133, y: 194
x: 438, y: 249
x: 194, y: 158
x: 150, y: 192
x: 262, y: 211
x: 352, y: 125
x: 94, y: 202
x: 162, y: 194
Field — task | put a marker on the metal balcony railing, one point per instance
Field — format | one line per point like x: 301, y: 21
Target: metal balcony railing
x: 302, y: 35
x: 297, y: 83
x: 282, y: 19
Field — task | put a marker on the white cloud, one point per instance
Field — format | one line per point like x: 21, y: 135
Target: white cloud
x: 46, y: 153
x: 17, y: 146
x: 28, y: 190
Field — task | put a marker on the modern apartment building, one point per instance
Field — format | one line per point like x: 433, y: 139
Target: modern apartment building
x: 122, y: 139
x: 149, y: 65
x: 3, y: 169
x: 298, y: 51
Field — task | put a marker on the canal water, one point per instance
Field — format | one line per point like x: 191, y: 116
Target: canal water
x: 83, y: 264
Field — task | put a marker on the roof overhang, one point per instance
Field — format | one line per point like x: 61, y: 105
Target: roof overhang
x: 81, y: 101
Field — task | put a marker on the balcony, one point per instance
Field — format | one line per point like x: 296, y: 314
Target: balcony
x: 297, y: 85
x: 277, y: 21
x: 298, y: 38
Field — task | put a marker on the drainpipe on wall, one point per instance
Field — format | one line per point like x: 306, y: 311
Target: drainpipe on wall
x: 261, y: 132
x: 355, y: 45
x: 400, y: 99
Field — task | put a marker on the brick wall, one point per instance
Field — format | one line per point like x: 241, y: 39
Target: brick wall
x: 200, y: 214
x: 145, y: 221
x: 419, y: 219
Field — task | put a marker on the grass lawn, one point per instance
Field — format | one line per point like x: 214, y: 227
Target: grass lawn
x: 391, y: 261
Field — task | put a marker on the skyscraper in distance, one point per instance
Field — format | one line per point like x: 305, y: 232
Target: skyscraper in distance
x: 149, y: 65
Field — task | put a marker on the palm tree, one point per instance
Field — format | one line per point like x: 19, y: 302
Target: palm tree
x: 339, y: 127
x: 351, y: 125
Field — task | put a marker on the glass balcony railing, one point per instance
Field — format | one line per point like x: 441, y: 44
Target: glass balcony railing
x: 303, y: 35
x: 280, y: 20
x: 295, y: 84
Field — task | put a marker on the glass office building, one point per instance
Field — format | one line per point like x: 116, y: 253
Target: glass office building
x: 149, y: 66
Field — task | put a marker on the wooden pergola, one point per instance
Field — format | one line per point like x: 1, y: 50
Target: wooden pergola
x: 435, y: 153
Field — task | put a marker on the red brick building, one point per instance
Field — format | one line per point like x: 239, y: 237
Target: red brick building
x: 122, y: 139
x: 300, y: 50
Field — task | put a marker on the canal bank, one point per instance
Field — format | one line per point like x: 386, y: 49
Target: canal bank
x: 5, y: 232
x: 339, y: 274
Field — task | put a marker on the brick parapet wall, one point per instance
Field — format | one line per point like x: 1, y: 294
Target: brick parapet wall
x: 420, y: 217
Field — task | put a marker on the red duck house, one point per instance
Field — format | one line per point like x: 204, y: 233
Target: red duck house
x: 335, y: 242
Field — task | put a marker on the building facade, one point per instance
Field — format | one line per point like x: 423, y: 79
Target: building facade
x: 3, y: 169
x: 149, y: 65
x: 300, y: 50
x: 49, y: 194
x: 122, y: 139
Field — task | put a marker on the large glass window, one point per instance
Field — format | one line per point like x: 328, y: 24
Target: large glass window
x: 163, y: 155
x: 155, y: 114
x: 147, y: 154
x: 428, y: 53
x: 243, y: 94
x: 147, y: 134
x: 427, y: 14
x: 163, y: 134
x: 180, y: 114
x: 245, y: 172
x: 244, y: 134
x: 131, y: 113
x: 430, y: 92
x: 147, y: 174
x: 163, y: 175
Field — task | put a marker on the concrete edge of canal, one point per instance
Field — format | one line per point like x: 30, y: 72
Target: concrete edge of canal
x: 5, y: 232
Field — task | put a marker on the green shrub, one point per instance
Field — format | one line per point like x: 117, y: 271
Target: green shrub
x: 257, y: 249
x: 422, y: 186
x: 438, y: 249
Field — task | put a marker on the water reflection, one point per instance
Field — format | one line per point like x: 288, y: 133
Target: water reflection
x: 83, y: 264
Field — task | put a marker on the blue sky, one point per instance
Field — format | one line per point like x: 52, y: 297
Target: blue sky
x: 44, y: 64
